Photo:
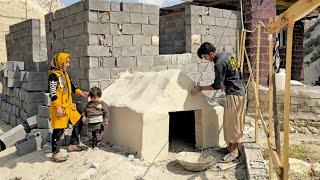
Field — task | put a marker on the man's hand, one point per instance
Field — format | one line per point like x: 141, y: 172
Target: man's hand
x: 60, y: 111
x: 195, y: 90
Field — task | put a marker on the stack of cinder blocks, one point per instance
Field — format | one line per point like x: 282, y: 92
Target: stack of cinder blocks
x: 104, y: 38
x: 24, y: 75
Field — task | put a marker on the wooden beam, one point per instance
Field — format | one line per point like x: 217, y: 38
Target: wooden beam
x: 297, y: 11
x: 257, y: 82
x: 286, y: 112
x: 287, y: 4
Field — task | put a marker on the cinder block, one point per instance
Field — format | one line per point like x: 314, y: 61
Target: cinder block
x: 45, y: 134
x: 105, y: 83
x: 34, y: 86
x: 108, y: 62
x: 13, y: 82
x: 131, y: 7
x: 33, y: 76
x: 115, y: 72
x: 149, y: 50
x: 68, y: 32
x: 208, y: 20
x: 126, y: 62
x: 29, y: 144
x: 150, y: 29
x: 47, y: 100
x: 150, y: 9
x: 97, y: 5
x: 159, y: 68
x: 131, y: 29
x: 114, y: 6
x: 139, y: 18
x: 121, y: 41
x: 97, y: 51
x: 153, y: 19
x: 196, y: 10
x: 78, y: 7
x: 43, y: 123
x: 32, y: 97
x: 79, y: 29
x: 119, y: 17
x: 131, y: 51
x: 103, y: 17
x: 99, y: 73
x: 116, y: 29
x: 32, y: 122
x: 140, y: 40
x: 15, y: 65
x: 145, y: 61
x: 10, y: 137
x: 97, y: 28
x: 58, y: 14
x: 44, y: 111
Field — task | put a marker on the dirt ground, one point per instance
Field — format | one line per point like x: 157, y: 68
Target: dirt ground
x: 107, y: 163
x: 304, y: 153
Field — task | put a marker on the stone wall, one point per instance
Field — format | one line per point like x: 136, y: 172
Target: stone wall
x: 25, y: 44
x: 305, y: 107
x: 104, y: 38
x: 173, y: 33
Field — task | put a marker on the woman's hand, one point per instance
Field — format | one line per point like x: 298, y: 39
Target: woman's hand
x: 60, y: 111
x: 84, y: 94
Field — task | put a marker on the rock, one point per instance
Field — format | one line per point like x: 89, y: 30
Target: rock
x: 313, y: 130
x: 95, y: 165
x: 305, y: 130
x: 130, y: 157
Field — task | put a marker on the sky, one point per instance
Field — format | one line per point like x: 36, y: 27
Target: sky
x: 162, y: 3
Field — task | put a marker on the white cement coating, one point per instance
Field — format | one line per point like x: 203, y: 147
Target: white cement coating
x: 139, y: 112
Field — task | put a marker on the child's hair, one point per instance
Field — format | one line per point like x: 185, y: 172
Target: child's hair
x: 95, y: 92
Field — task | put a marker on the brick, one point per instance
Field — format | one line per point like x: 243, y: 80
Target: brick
x: 121, y: 41
x: 97, y: 51
x: 126, y: 62
x: 131, y: 7
x: 43, y: 123
x: 99, y: 73
x: 97, y: 28
x: 131, y: 28
x: 215, y: 12
x: 139, y: 18
x: 115, y: 29
x: 34, y: 86
x: 44, y: 111
x: 97, y: 5
x: 119, y: 17
x: 29, y: 144
x: 114, y: 6
x: 131, y: 51
x: 10, y: 137
x: 150, y: 9
x: 149, y: 50
x: 115, y: 72
x: 150, y: 29
x: 32, y: 122
x: 140, y: 40
x: 153, y: 19
x: 108, y: 62
x: 145, y: 61
x: 208, y: 20
x: 34, y: 76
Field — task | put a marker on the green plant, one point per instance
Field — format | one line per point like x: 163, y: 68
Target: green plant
x: 307, y: 35
x: 296, y: 152
x: 315, y: 56
x: 307, y: 50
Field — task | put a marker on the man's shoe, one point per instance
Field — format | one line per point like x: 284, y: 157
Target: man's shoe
x: 59, y: 157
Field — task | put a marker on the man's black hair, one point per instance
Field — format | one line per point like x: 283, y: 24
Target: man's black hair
x: 95, y: 92
x: 205, y: 48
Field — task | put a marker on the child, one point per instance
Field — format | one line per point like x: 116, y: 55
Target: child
x: 96, y: 115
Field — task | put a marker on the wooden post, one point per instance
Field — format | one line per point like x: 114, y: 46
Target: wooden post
x: 242, y: 50
x: 257, y: 82
x: 270, y: 100
x: 286, y: 112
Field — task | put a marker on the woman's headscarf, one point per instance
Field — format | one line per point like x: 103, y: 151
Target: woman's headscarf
x: 60, y: 60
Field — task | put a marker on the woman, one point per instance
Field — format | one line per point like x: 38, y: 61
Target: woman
x: 62, y: 109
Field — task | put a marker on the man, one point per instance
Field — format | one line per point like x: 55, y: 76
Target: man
x: 229, y: 79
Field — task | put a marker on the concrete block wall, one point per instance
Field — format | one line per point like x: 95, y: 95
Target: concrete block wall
x: 173, y: 33
x: 208, y: 24
x: 104, y: 38
x: 24, y: 43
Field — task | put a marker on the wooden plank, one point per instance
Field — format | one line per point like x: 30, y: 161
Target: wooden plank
x: 286, y: 112
x: 257, y: 81
x: 243, y: 49
x: 294, y: 13
x: 270, y: 100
